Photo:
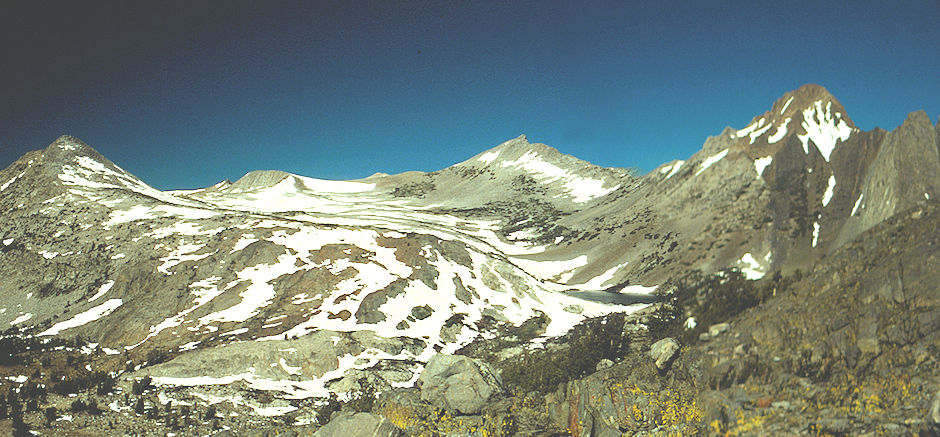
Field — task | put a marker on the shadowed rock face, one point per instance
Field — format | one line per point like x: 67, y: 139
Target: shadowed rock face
x: 373, y: 277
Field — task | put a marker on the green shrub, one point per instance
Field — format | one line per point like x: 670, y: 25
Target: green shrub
x: 710, y: 299
x: 542, y: 370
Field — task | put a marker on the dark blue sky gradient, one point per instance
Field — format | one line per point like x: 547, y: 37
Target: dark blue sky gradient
x: 184, y: 94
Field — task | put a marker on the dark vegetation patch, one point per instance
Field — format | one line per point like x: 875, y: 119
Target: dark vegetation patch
x: 414, y: 189
x: 576, y: 355
x: 709, y: 299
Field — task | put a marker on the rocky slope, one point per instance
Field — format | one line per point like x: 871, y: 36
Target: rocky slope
x: 263, y: 297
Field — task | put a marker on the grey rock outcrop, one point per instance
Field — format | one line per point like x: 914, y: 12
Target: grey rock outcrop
x: 935, y: 412
x: 458, y: 383
x: 358, y: 425
x: 663, y: 352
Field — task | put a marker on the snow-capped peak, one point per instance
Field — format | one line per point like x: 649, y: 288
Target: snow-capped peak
x: 810, y: 113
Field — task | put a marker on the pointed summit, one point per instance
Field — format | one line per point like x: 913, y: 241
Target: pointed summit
x: 810, y: 96
x: 66, y: 149
x: 810, y: 113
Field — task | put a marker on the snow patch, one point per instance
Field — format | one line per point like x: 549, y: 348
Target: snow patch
x: 785, y: 105
x: 815, y: 233
x: 7, y: 183
x: 22, y: 318
x: 102, y: 290
x: 182, y: 253
x: 329, y: 186
x: 551, y: 270
x: 82, y: 318
x: 598, y: 282
x: 752, y: 269
x: 858, y: 202
x: 580, y: 188
x: 711, y: 160
x: 672, y: 169
x: 488, y: 157
x: 750, y: 128
x: 824, y: 130
x: 780, y: 133
x: 761, y: 163
x: 827, y: 196
x: 289, y: 369
x: 757, y: 133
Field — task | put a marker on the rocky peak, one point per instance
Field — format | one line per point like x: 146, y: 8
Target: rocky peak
x: 810, y: 113
x: 259, y: 179
x: 67, y: 149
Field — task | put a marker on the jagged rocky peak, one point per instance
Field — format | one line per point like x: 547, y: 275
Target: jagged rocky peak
x: 810, y: 113
x: 806, y: 102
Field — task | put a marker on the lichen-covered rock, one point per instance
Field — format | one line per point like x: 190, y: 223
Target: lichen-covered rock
x: 458, y: 383
x: 358, y: 425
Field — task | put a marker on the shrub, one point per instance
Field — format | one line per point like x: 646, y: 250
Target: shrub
x: 710, y: 299
x: 78, y: 406
x: 156, y: 356
x: 210, y: 413
x: 141, y: 385
x: 592, y: 340
x: 51, y: 414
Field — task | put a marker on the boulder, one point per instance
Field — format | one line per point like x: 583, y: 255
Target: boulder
x: 358, y: 425
x: 718, y: 328
x: 458, y: 383
x: 664, y: 351
x: 934, y: 417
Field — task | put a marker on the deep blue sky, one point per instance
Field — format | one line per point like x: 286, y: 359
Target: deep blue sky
x: 185, y: 94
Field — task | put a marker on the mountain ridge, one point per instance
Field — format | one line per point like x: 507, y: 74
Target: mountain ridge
x: 370, y: 278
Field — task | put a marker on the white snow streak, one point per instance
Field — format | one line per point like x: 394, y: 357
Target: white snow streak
x: 711, y: 160
x: 785, y: 105
x: 827, y: 196
x: 102, y: 290
x: 7, y: 183
x: 598, y: 282
x: 858, y: 202
x: 82, y: 318
x: 22, y: 318
x: 780, y: 133
x: 672, y: 169
x: 551, y: 270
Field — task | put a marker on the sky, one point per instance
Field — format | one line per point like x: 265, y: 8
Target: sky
x: 187, y: 93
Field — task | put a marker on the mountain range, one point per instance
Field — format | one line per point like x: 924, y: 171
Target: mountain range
x: 276, y: 293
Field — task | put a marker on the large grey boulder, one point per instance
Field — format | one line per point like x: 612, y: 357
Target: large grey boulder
x: 358, y: 425
x: 935, y: 411
x: 458, y: 383
x: 663, y: 352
